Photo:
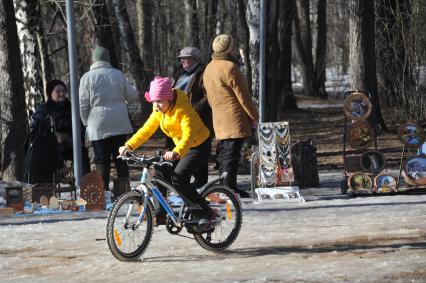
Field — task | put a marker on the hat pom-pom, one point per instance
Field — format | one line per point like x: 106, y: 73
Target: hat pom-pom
x: 147, y: 97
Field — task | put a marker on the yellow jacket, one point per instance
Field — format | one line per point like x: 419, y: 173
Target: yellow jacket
x: 180, y: 122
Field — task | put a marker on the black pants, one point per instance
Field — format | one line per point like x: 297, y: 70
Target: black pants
x: 201, y: 173
x: 196, y: 158
x: 229, y: 156
x: 106, y: 150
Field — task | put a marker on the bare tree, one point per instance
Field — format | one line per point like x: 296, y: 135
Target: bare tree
x: 362, y: 59
x: 401, y: 39
x: 12, y: 101
x: 252, y: 14
x: 27, y: 21
x: 144, y: 13
x: 313, y: 68
x: 131, y: 50
x: 246, y: 42
x: 287, y: 9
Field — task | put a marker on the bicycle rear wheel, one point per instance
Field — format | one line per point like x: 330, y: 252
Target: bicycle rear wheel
x: 224, y: 233
x: 127, y: 240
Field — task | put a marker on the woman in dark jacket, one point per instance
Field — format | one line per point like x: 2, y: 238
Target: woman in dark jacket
x: 57, y: 112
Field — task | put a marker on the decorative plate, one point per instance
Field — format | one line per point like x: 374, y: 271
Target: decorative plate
x: 360, y: 182
x: 360, y: 135
x: 411, y: 134
x: 384, y: 183
x: 357, y: 106
x: 414, y: 170
x: 372, y: 161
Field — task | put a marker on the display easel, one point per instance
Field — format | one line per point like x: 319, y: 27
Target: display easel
x: 271, y: 170
x: 413, y: 166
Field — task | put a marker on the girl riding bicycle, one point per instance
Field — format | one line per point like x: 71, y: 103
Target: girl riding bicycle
x: 173, y: 113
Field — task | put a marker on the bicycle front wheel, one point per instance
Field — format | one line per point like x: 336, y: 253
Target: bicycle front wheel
x: 224, y: 233
x: 128, y: 238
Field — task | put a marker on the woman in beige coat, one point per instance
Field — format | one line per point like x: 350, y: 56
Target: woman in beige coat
x: 233, y: 109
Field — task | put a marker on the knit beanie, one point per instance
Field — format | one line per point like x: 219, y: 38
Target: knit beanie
x: 100, y: 54
x: 223, y: 44
x: 159, y: 89
x: 51, y: 85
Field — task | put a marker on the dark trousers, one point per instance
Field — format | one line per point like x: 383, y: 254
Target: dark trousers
x: 106, y: 150
x: 196, y: 158
x: 201, y: 173
x: 229, y: 156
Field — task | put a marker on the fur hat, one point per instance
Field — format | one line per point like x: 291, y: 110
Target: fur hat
x: 159, y: 89
x: 51, y: 85
x: 192, y: 52
x: 223, y: 44
x: 100, y: 54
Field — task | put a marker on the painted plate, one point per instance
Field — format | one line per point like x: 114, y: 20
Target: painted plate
x: 384, y: 183
x: 411, y: 134
x: 357, y: 106
x: 372, y: 161
x: 360, y: 135
x: 360, y: 183
x: 414, y: 170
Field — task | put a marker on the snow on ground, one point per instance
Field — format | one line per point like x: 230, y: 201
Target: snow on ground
x: 329, y: 238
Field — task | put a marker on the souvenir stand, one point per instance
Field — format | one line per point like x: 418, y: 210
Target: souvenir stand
x: 413, y: 159
x: 271, y: 170
x: 365, y: 172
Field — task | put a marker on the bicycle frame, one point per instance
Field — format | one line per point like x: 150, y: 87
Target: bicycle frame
x: 146, y: 185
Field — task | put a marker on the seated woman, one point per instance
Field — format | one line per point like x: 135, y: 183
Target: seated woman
x: 173, y: 113
x: 53, y: 119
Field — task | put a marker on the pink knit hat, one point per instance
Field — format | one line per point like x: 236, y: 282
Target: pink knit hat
x: 160, y: 88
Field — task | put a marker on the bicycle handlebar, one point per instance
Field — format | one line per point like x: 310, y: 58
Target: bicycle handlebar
x: 144, y: 161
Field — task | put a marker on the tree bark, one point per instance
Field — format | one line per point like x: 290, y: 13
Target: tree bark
x: 145, y: 9
x: 321, y: 48
x: 135, y: 64
x: 313, y: 69
x: 272, y: 92
x: 27, y: 19
x: 284, y: 70
x: 362, y: 58
x: 12, y: 101
x: 252, y: 15
x: 246, y: 42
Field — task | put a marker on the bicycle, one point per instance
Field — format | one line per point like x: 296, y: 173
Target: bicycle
x: 130, y: 222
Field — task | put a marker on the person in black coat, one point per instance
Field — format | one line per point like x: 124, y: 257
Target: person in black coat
x: 57, y: 109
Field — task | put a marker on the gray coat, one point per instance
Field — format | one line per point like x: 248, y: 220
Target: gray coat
x: 104, y: 94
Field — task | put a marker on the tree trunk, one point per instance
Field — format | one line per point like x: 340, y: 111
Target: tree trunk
x: 27, y: 19
x: 313, y: 69
x: 252, y: 15
x: 272, y: 61
x: 135, y: 64
x: 144, y: 11
x: 284, y: 70
x: 303, y: 40
x: 362, y: 59
x: 321, y: 48
x: 12, y: 99
x: 246, y: 43
x: 103, y: 30
x: 210, y: 18
x: 191, y: 23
